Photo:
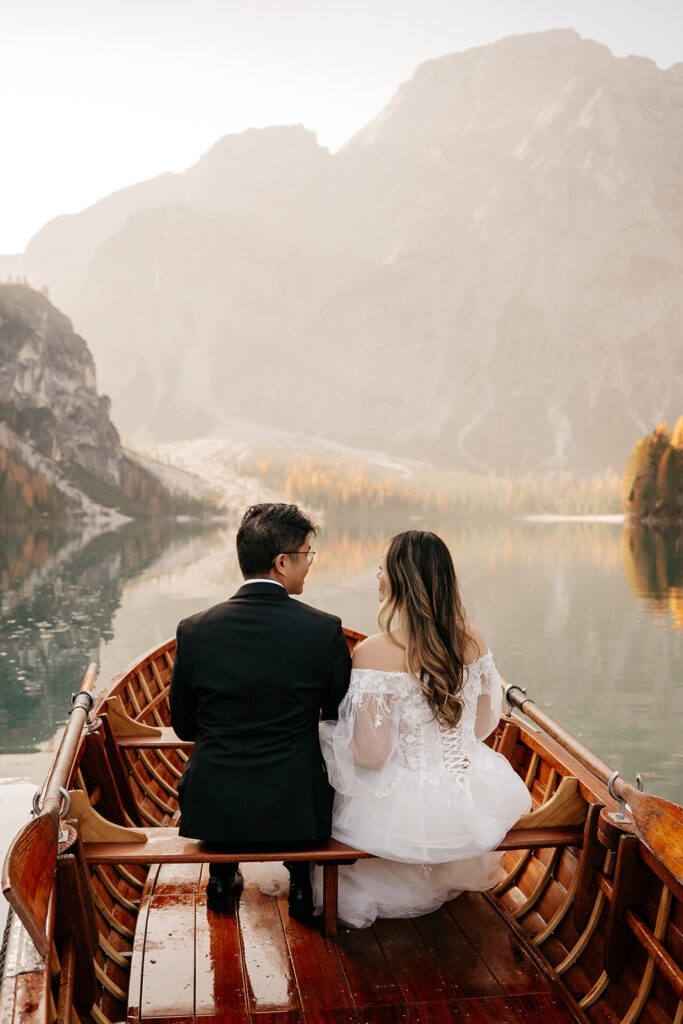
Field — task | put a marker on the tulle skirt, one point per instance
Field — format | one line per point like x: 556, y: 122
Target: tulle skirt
x: 432, y: 833
x: 376, y: 888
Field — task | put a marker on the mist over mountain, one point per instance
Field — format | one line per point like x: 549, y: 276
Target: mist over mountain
x: 490, y: 274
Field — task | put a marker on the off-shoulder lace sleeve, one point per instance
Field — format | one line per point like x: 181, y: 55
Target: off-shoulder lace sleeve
x: 358, y: 747
x: 490, y: 701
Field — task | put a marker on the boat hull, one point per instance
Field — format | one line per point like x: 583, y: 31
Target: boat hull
x: 594, y: 922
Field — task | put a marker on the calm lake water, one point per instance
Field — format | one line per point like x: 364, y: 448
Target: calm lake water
x: 587, y: 615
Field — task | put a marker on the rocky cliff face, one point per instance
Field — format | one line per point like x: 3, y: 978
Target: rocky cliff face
x: 59, y: 451
x: 48, y: 392
x: 489, y: 274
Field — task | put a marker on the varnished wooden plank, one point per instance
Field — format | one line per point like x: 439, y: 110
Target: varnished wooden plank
x: 27, y: 996
x: 659, y: 955
x: 118, y: 768
x: 385, y: 1013
x: 460, y: 964
x: 445, y: 1012
x: 323, y: 1016
x: 236, y: 1016
x: 77, y: 927
x: 279, y: 1017
x: 162, y: 844
x: 168, y: 1020
x: 565, y: 807
x: 413, y: 966
x: 98, y: 771
x: 270, y: 982
x: 540, y: 838
x: 168, y: 966
x: 542, y: 1008
x: 488, y: 1010
x: 28, y: 875
x: 136, y: 963
x: 505, y: 956
x: 166, y: 739
x: 509, y: 741
x: 178, y: 879
x: 67, y: 976
x: 220, y: 992
x: 330, y: 925
x: 323, y: 991
x: 367, y: 972
x: 592, y: 859
x: 625, y: 896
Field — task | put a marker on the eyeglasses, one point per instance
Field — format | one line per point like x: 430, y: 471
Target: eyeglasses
x: 310, y: 554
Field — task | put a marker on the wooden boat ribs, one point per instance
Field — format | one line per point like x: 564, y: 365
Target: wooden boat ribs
x: 110, y: 920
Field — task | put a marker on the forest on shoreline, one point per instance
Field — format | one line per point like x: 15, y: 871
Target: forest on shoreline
x: 652, y: 488
x: 340, y: 482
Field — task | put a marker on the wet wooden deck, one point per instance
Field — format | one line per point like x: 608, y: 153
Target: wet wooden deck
x: 462, y: 964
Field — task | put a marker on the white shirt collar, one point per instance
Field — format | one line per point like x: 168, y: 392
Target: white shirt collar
x: 265, y: 580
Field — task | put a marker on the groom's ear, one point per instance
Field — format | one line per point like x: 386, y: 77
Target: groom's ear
x: 279, y: 563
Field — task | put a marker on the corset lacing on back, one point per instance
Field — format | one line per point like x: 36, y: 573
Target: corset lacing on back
x: 454, y: 758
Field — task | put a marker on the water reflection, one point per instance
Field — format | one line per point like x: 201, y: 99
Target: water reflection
x: 59, y: 594
x: 653, y: 564
x: 565, y: 607
x: 558, y: 611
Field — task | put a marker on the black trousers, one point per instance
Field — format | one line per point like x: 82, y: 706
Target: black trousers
x: 299, y: 870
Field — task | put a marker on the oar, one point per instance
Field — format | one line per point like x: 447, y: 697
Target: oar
x: 27, y: 874
x: 82, y: 702
x: 658, y: 823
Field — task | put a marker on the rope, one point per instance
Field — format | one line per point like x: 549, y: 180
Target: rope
x: 5, y: 940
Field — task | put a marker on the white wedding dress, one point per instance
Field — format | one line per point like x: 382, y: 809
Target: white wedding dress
x: 430, y: 801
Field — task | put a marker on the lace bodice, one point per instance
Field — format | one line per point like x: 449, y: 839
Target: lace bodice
x: 386, y: 727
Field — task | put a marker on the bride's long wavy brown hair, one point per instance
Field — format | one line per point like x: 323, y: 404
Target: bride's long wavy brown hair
x: 423, y: 595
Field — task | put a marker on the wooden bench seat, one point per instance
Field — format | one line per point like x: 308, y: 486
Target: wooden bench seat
x: 166, y: 846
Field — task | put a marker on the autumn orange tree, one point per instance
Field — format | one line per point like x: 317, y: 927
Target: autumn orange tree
x: 653, y: 479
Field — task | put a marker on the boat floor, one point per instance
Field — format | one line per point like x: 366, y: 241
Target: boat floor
x: 463, y: 963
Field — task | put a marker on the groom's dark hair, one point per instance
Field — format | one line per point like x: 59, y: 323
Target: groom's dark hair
x: 266, y: 531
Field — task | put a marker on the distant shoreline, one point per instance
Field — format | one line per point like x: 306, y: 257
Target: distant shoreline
x: 552, y: 518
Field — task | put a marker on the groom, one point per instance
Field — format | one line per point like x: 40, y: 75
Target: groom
x: 250, y: 679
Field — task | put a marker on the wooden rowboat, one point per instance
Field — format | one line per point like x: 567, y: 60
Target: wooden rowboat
x: 110, y: 922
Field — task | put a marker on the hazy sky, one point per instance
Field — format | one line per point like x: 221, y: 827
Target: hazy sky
x: 98, y: 94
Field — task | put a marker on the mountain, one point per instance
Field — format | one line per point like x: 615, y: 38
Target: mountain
x: 59, y: 451
x: 488, y: 275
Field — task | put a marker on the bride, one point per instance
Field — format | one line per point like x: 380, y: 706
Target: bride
x: 415, y: 783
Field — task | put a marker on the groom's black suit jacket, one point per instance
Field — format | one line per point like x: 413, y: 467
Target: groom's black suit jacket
x: 250, y: 678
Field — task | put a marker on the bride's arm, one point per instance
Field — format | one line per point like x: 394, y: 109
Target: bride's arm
x: 372, y: 731
x: 489, y: 704
x: 371, y: 739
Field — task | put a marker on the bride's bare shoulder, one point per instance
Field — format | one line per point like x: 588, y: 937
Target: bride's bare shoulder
x: 380, y: 652
x: 476, y: 645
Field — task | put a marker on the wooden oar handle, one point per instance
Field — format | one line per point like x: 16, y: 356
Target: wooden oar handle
x: 517, y: 698
x: 620, y: 789
x: 89, y: 678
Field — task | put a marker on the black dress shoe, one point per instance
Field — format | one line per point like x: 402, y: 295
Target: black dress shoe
x: 300, y: 900
x: 224, y: 893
